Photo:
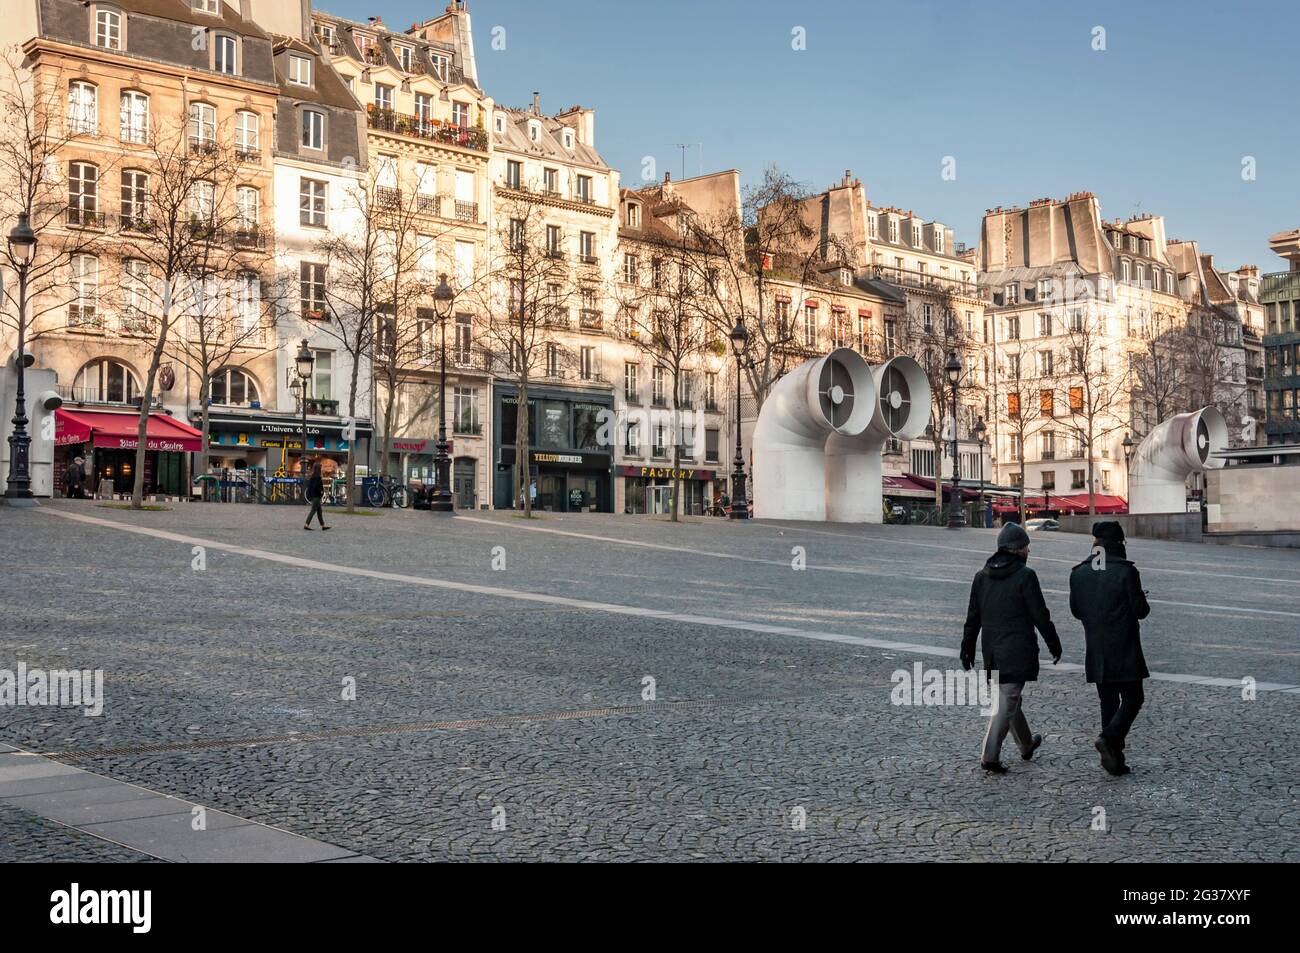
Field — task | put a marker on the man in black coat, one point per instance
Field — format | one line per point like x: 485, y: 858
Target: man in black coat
x: 1106, y: 596
x: 1007, y: 603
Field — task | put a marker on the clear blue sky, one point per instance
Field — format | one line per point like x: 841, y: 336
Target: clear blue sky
x: 1012, y: 90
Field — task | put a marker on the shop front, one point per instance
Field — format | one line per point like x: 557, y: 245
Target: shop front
x: 650, y: 489
x: 272, y: 443
x: 107, y: 441
x: 569, y: 462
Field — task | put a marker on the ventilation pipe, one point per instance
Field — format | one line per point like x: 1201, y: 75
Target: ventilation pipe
x: 834, y: 394
x: 1175, y: 449
x: 853, y: 461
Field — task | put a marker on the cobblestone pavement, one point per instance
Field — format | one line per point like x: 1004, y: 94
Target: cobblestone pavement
x: 765, y: 740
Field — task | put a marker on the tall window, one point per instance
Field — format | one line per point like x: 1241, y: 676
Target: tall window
x: 464, y: 264
x: 137, y: 300
x: 232, y: 387
x: 248, y: 205
x: 83, y: 194
x: 312, y: 288
x: 322, y: 384
x: 300, y: 70
x: 657, y: 384
x: 203, y: 204
x: 312, y: 203
x: 135, y: 117
x: 809, y: 326
x: 465, y: 410
x: 631, y: 386
x: 108, y: 29
x: 83, y: 109
x: 424, y: 112
x: 460, y: 114
x: 84, y: 272
x: 441, y: 65
x: 464, y: 342
x: 225, y: 54
x: 248, y: 298
x: 106, y: 380
x: 313, y: 129
x: 203, y: 126
x: 248, y: 133
x: 135, y: 200
x: 383, y: 96
x: 405, y: 56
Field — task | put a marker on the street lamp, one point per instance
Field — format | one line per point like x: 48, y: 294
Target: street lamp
x: 1129, y: 446
x: 981, y: 432
x: 18, y: 489
x: 305, y: 361
x: 739, y: 503
x: 956, y: 520
x: 443, y: 300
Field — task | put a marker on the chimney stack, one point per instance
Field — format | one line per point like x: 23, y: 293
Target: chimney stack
x: 537, y: 103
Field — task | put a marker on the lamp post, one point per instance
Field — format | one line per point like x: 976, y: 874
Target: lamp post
x: 739, y: 502
x: 1129, y: 446
x: 305, y: 361
x: 443, y: 300
x: 956, y: 519
x: 981, y: 432
x: 18, y: 488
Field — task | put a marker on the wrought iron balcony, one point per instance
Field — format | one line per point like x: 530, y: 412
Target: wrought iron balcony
x: 434, y: 130
x: 590, y: 320
x: 466, y: 211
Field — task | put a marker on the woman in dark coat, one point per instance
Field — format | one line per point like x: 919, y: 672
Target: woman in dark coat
x: 315, y: 496
x: 1106, y: 596
x: 1006, y: 602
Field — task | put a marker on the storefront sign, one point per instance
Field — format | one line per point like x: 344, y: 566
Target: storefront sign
x: 558, y: 458
x: 665, y: 473
x: 151, y: 443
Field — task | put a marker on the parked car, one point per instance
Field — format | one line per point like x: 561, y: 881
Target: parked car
x: 1046, y: 525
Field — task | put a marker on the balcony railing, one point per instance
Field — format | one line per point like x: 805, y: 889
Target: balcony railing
x: 557, y: 317
x: 322, y: 408
x: 84, y: 217
x: 85, y: 316
x: 203, y: 146
x: 926, y: 281
x: 1048, y: 455
x: 247, y: 154
x: 588, y: 259
x: 387, y: 198
x: 466, y: 211
x: 467, y: 428
x: 434, y: 130
x: 589, y: 320
x: 428, y: 204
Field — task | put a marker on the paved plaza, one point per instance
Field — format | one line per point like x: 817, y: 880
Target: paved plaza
x: 613, y: 688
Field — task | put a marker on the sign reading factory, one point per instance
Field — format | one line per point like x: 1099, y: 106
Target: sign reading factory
x: 665, y: 473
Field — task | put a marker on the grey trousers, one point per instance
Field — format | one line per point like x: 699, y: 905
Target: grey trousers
x: 1007, y: 716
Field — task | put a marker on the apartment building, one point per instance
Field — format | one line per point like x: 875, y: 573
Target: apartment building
x: 1280, y: 296
x: 427, y: 147
x: 546, y: 172
x: 142, y: 84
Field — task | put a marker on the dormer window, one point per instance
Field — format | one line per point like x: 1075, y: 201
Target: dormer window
x: 405, y: 56
x: 873, y: 229
x: 225, y: 54
x: 300, y: 70
x: 208, y: 6
x: 568, y: 138
x: 325, y: 33
x: 500, y: 123
x: 108, y: 29
x: 634, y: 215
x: 916, y: 236
x: 893, y: 230
x: 534, y: 131
x: 441, y: 65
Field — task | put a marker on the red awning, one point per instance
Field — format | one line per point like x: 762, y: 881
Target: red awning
x: 905, y: 486
x: 118, y: 431
x: 927, y: 483
x: 1075, y: 503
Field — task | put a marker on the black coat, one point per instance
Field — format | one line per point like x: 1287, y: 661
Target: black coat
x: 1007, y: 603
x: 1109, y: 602
x: 315, y: 487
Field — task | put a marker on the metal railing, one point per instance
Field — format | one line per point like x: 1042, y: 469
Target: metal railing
x: 434, y: 130
x: 590, y: 320
x: 466, y: 211
x: 926, y: 281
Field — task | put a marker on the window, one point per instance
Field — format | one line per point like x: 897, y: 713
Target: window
x: 1125, y: 271
x: 657, y: 385
x: 225, y: 54
x: 84, y: 272
x: 938, y: 240
x: 322, y: 383
x: 106, y: 380
x: 631, y: 269
x: 248, y: 206
x: 460, y: 114
x: 631, y: 386
x: 1049, y: 478
x: 514, y: 174
x: 634, y: 215
x: 927, y: 317
x: 1045, y: 363
x: 203, y: 204
x: 891, y: 337
x: 299, y: 70
x: 405, y: 57
x: 1013, y: 366
x: 632, y: 442
x: 587, y: 366
x: 203, y: 127
x: 710, y: 391
x: 108, y: 29
x: 893, y: 230
x: 916, y: 236
x: 135, y: 200
x: 1076, y: 399
x: 464, y: 339
x: 1045, y: 325
x: 810, y: 325
x: 83, y: 109
x: 208, y: 6
x: 325, y: 33
x: 1012, y: 294
x: 1047, y: 445
x: 660, y: 448
x: 551, y: 180
x: 312, y: 203
x: 464, y: 264
x: 584, y: 188
x: 248, y: 133
x: 1013, y: 405
x: 587, y: 246
x: 1013, y: 328
x: 1076, y: 360
x: 312, y: 288
x: 313, y: 129
x: 534, y: 131
x: 1046, y: 403
x: 383, y: 96
x: 424, y: 112
x: 440, y: 68
x: 233, y: 387
x: 137, y: 301
x: 248, y: 301
x: 83, y: 194
x: 568, y: 138
x: 465, y: 410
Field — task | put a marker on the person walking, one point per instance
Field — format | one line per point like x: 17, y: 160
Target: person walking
x: 1106, y: 595
x: 1006, y: 603
x: 74, y: 480
x: 315, y: 496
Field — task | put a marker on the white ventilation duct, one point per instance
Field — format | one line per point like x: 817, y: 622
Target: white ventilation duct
x: 1175, y: 449
x: 834, y: 394
x: 853, y: 461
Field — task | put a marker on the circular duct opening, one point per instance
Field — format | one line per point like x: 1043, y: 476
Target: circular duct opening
x: 835, y: 392
x: 895, y: 399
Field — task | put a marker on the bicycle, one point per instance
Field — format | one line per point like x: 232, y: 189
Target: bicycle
x: 385, y: 491
x: 338, y: 492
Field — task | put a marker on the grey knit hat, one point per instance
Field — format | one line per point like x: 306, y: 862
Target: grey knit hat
x: 1013, y: 537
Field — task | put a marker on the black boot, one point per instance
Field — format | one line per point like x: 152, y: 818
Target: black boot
x: 1035, y: 742
x: 1110, y: 758
x: 994, y: 767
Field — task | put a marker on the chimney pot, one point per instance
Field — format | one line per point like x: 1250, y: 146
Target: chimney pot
x: 537, y: 103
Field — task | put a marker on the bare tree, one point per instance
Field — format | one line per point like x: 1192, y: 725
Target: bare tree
x: 1098, y: 387
x: 41, y: 128
x: 526, y: 290
x: 183, y: 235
x: 1158, y: 369
x: 1020, y: 406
